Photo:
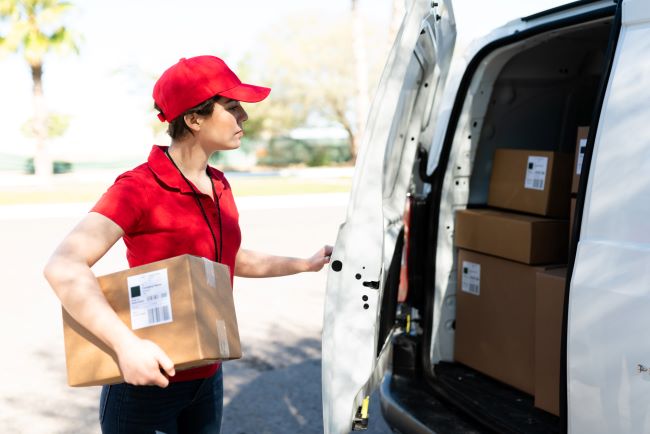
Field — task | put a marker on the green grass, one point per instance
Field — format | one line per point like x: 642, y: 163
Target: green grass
x: 253, y: 186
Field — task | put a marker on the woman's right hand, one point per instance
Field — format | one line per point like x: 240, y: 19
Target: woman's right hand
x: 141, y: 362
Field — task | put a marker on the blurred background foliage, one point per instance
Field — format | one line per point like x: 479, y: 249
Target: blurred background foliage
x: 315, y: 85
x: 322, y: 72
x: 32, y: 29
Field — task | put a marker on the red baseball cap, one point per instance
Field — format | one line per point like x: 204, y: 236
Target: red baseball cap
x: 192, y: 81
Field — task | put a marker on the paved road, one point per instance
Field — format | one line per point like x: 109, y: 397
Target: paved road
x: 274, y: 389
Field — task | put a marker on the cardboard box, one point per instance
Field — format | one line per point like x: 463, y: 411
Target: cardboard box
x: 495, y: 318
x: 572, y: 214
x: 549, y: 308
x: 522, y: 238
x: 183, y: 304
x: 536, y: 182
x: 581, y: 145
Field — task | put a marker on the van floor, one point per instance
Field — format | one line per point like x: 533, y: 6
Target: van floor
x: 496, y: 405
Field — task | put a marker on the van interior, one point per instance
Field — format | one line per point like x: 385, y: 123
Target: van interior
x: 531, y: 94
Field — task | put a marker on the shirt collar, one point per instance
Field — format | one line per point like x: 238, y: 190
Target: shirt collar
x: 164, y: 170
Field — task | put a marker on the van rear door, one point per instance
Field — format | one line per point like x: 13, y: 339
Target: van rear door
x: 401, y: 117
x: 608, y: 349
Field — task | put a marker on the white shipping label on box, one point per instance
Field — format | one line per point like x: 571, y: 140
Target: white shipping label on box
x: 471, y: 278
x: 536, y: 173
x: 149, y: 299
x: 581, y: 155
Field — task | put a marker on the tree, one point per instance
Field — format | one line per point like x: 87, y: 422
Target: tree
x: 309, y: 62
x: 56, y: 124
x: 33, y: 29
x: 361, y: 66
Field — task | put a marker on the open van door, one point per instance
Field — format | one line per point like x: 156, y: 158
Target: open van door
x: 402, y: 117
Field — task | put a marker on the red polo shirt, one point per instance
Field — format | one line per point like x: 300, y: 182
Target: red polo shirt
x: 161, y: 219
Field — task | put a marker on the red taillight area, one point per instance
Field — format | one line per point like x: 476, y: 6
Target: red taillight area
x: 403, y: 290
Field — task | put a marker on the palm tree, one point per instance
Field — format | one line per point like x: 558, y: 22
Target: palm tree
x: 33, y: 29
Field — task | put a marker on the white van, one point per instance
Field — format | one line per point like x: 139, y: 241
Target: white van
x: 433, y: 128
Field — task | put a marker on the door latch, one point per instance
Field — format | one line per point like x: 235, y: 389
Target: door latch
x: 643, y: 371
x: 371, y: 284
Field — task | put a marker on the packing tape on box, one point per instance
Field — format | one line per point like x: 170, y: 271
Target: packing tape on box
x: 209, y: 273
x: 222, y: 336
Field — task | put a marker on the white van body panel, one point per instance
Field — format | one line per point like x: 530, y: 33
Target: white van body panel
x: 609, y: 307
x: 415, y: 72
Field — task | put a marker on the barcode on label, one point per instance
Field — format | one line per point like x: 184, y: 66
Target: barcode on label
x: 149, y: 299
x: 471, y: 278
x: 536, y: 173
x: 158, y: 315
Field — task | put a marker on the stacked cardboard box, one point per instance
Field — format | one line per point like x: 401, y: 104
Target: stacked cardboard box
x: 495, y: 318
x: 535, y: 182
x: 501, y: 254
x: 549, y: 309
x: 183, y: 304
x: 523, y: 238
x: 581, y: 145
x: 572, y: 217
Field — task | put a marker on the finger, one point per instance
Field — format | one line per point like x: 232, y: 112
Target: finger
x: 161, y: 381
x: 322, y: 263
x: 166, y: 363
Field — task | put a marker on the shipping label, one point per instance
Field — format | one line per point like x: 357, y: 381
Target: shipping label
x: 581, y: 155
x: 149, y: 299
x: 471, y: 278
x: 536, y: 172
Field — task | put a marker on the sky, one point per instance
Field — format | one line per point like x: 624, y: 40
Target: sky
x: 106, y: 89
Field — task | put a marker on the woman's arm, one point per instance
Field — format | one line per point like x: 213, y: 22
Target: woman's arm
x: 256, y: 264
x: 68, y: 272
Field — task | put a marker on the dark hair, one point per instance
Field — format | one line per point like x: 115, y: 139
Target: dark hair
x: 178, y: 128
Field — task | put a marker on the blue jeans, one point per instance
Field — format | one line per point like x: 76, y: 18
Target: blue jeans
x: 186, y: 407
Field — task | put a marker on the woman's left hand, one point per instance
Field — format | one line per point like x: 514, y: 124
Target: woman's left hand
x: 319, y: 259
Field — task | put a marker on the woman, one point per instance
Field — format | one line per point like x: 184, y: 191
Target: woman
x: 171, y: 205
